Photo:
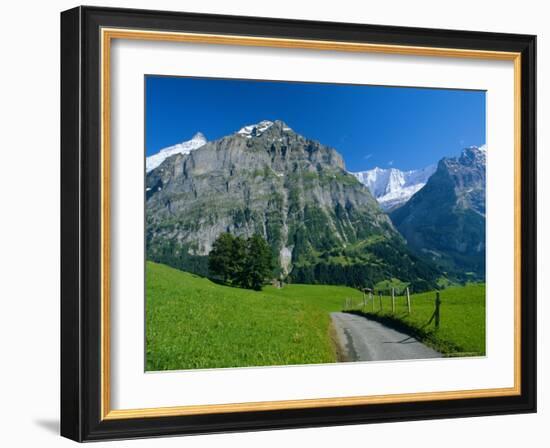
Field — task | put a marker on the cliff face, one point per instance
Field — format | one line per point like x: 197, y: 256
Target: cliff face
x: 295, y: 192
x: 445, y: 220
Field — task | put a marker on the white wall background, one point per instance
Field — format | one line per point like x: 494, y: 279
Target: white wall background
x: 29, y: 224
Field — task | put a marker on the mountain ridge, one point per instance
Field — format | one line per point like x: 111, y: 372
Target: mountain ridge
x: 323, y: 225
x: 445, y: 220
x: 184, y: 147
x: 393, y: 187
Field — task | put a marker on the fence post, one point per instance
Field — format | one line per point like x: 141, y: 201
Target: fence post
x: 393, y: 300
x: 437, y: 306
x: 408, y: 300
x: 371, y: 298
x: 380, y: 299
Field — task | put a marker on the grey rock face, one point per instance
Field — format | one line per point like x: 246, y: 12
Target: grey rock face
x: 445, y: 220
x: 265, y: 179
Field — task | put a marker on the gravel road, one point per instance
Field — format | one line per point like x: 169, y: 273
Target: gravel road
x: 363, y: 339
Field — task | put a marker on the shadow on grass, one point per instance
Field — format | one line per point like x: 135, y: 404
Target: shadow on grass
x: 218, y: 281
x: 423, y: 334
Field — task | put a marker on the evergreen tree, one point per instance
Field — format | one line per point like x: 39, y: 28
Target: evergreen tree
x: 238, y: 257
x: 222, y: 260
x: 258, y: 263
x: 244, y: 263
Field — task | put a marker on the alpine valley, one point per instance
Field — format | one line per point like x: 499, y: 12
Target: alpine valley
x: 323, y: 225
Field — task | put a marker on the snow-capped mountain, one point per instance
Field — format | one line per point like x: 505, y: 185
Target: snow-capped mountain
x: 186, y: 147
x: 292, y: 190
x: 393, y: 187
x: 255, y: 130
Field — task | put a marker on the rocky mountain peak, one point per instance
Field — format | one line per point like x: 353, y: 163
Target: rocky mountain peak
x: 199, y: 137
x: 445, y: 220
x: 184, y: 147
x: 473, y: 155
x: 269, y: 180
x: 256, y: 130
x: 393, y: 187
x: 467, y: 173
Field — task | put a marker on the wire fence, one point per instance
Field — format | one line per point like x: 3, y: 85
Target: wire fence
x: 375, y: 301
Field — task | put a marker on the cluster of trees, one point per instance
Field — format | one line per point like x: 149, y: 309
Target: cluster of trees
x: 249, y: 263
x: 246, y: 263
x: 177, y: 255
x: 356, y: 275
x: 393, y: 261
x: 333, y: 273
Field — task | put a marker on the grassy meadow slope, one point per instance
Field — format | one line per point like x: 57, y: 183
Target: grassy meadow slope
x: 193, y: 323
x: 462, y: 326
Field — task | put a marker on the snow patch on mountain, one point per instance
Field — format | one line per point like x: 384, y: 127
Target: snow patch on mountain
x: 393, y: 187
x: 186, y: 147
x: 255, y: 130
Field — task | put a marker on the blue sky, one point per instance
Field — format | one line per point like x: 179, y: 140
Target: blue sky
x: 370, y: 126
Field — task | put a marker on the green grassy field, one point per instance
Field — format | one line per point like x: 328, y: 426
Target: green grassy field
x: 462, y: 325
x: 193, y: 323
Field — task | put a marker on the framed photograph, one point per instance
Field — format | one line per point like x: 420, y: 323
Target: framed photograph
x: 273, y: 223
